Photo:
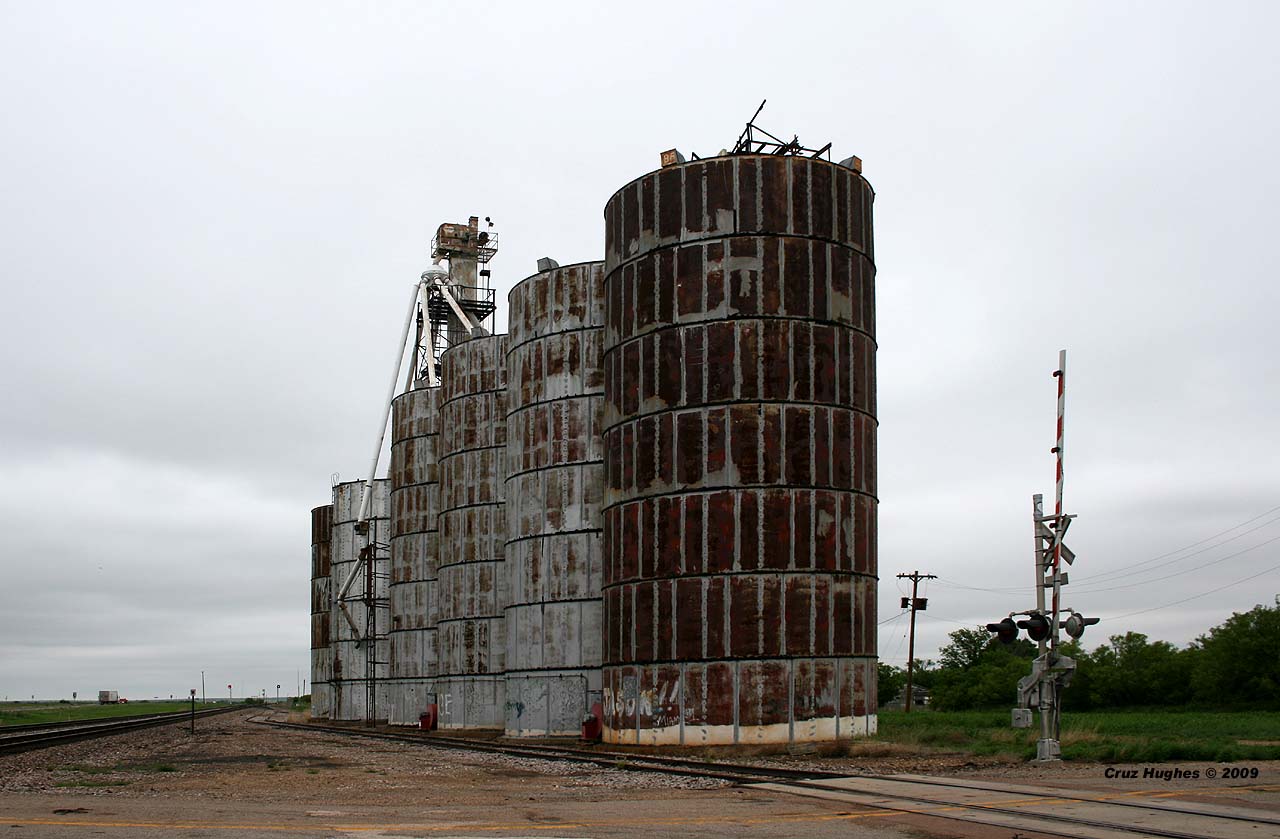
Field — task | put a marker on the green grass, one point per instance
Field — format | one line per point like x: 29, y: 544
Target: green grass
x: 58, y: 712
x: 1137, y: 736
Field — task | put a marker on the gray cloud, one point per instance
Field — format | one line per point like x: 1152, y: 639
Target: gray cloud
x: 211, y: 217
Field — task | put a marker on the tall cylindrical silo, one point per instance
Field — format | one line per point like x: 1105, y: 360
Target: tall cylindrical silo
x: 354, y: 671
x: 555, y: 486
x: 472, y: 574
x: 415, y: 508
x: 321, y: 617
x: 740, y: 545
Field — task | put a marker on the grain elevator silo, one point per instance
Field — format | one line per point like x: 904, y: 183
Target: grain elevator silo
x: 321, y: 613
x: 472, y: 574
x: 360, y: 616
x: 555, y: 478
x: 740, y: 564
x: 415, y: 507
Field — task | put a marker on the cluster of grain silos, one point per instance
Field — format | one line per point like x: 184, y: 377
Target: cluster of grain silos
x: 652, y: 504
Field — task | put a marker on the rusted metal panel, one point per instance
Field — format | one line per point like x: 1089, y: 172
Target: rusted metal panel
x: 739, y: 439
x: 321, y: 608
x: 321, y: 688
x: 415, y: 511
x: 777, y: 196
x: 471, y: 587
x: 351, y: 658
x: 554, y: 492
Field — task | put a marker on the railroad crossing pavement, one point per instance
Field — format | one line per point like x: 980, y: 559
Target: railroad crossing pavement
x: 718, y: 814
x: 1080, y: 813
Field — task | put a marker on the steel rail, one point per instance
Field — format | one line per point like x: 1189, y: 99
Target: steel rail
x: 45, y: 726
x: 803, y: 780
x: 32, y: 740
x: 1121, y: 826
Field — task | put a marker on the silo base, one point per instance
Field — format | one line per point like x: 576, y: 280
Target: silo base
x: 777, y: 703
x: 550, y: 704
x: 471, y: 701
x: 407, y: 700
x: 824, y: 730
x: 321, y: 701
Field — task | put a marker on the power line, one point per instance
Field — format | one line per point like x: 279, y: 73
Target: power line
x: 1178, y: 573
x: 1138, y: 568
x: 1120, y: 574
x: 1124, y: 573
x: 945, y: 583
x: 1198, y: 596
x: 973, y: 624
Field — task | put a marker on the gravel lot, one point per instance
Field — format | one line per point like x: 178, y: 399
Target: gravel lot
x: 231, y: 756
x: 247, y: 780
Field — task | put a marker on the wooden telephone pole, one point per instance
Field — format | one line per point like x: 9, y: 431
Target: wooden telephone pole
x: 917, y: 604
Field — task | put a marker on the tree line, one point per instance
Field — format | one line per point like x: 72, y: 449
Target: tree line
x: 1235, y: 664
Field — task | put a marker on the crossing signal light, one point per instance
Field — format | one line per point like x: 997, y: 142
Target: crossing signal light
x: 1006, y: 630
x: 1076, y: 623
x: 1036, y: 625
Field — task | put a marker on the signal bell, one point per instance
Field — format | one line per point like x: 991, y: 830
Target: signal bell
x: 1006, y: 630
x: 1076, y: 623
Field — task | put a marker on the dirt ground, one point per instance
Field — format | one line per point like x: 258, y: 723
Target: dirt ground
x: 235, y: 778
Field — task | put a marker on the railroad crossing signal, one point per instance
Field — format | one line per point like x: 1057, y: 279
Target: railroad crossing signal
x: 1006, y: 630
x: 1051, y: 671
x: 1036, y: 625
x: 1076, y: 623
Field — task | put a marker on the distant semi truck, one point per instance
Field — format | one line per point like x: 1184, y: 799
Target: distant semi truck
x: 108, y: 697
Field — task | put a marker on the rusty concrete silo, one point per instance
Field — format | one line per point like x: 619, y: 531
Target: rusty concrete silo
x: 472, y: 572
x: 415, y: 508
x: 740, y: 544
x: 555, y: 486
x: 360, y: 654
x: 321, y: 617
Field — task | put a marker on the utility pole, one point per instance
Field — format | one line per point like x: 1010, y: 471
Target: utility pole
x: 917, y: 604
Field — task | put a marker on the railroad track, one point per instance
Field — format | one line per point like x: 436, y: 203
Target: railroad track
x: 25, y: 738
x: 1054, y: 812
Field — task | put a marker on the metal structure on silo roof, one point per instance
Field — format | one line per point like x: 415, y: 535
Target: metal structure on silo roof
x: 554, y: 491
x: 321, y: 613
x: 415, y: 508
x: 464, y: 300
x: 360, y: 652
x: 472, y: 572
x: 740, y: 518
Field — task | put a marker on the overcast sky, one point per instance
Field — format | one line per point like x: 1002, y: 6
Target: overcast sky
x: 211, y: 217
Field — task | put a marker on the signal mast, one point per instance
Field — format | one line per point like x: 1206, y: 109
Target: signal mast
x: 1051, y: 671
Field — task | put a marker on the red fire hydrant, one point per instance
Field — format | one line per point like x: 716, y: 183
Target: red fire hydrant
x: 592, y: 727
